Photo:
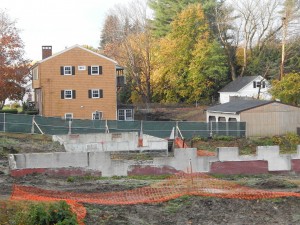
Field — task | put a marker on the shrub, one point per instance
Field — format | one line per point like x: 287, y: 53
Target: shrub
x: 28, y: 213
x: 13, y: 111
x: 223, y: 138
x: 288, y: 143
x: 32, y: 112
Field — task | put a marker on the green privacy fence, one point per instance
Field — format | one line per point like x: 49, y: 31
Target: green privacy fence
x: 21, y: 123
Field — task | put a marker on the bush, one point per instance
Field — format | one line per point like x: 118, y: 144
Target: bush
x: 223, y: 138
x: 288, y: 143
x: 32, y: 112
x: 13, y: 111
x: 25, y: 213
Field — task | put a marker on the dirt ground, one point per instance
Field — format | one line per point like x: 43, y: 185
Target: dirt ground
x: 182, y: 211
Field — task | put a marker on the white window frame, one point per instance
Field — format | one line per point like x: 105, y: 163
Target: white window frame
x: 94, y: 72
x: 69, y: 116
x: 65, y: 94
x: 66, y: 69
x: 125, y: 115
x: 100, y: 113
x: 96, y: 92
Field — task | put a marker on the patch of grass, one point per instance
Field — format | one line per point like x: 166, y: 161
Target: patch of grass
x: 149, y: 177
x: 28, y: 213
x: 246, y: 151
x: 70, y: 179
x: 241, y: 176
x: 173, y: 206
x: 275, y: 183
x: 223, y: 138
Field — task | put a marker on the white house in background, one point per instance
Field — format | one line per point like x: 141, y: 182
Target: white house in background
x: 28, y: 95
x: 246, y: 87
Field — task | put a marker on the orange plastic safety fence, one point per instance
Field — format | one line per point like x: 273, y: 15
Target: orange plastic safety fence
x: 181, y: 184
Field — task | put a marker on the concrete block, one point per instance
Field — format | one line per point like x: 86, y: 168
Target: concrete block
x: 62, y: 159
x: 203, y: 164
x: 20, y: 160
x: 12, y: 162
x: 100, y: 161
x: 267, y: 152
x: 281, y: 163
x: 228, y: 153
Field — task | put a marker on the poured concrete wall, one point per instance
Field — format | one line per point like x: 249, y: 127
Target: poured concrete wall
x: 227, y: 161
x: 101, y: 142
x: 48, y: 160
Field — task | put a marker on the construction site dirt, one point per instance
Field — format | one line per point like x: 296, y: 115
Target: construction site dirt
x: 182, y: 210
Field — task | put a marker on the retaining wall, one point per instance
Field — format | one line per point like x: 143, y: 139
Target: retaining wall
x: 227, y: 161
x: 100, y: 142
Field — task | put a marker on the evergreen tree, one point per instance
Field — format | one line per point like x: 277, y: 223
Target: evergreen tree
x: 190, y: 64
x: 165, y: 11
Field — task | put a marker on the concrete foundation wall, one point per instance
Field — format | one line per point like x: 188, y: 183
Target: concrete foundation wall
x: 101, y: 142
x: 228, y: 161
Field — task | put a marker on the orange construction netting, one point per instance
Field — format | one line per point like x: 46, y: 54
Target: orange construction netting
x: 198, y: 184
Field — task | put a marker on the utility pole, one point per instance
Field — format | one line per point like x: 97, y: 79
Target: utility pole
x: 284, y: 34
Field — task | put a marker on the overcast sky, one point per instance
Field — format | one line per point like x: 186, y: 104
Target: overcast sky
x: 60, y: 23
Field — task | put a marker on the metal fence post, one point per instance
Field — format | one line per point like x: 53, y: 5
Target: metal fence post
x: 106, y: 127
x: 32, y: 127
x: 70, y: 127
x: 227, y: 128
x: 4, y: 128
x: 176, y: 130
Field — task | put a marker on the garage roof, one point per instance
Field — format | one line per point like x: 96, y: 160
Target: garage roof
x: 238, y: 106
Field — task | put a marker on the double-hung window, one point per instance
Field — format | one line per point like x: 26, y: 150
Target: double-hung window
x: 68, y: 116
x: 259, y: 84
x: 68, y: 94
x: 95, y: 70
x: 97, y: 115
x: 95, y: 93
x: 125, y: 114
x: 67, y: 70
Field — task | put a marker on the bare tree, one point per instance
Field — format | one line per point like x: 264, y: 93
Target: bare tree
x: 130, y: 37
x: 227, y: 34
x: 257, y: 22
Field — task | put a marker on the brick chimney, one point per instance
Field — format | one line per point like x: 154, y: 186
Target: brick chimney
x: 46, y: 51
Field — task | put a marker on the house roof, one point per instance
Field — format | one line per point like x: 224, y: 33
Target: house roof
x: 72, y: 47
x: 238, y: 84
x: 235, y: 107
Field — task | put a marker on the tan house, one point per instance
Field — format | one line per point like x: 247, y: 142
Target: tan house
x: 263, y: 118
x: 76, y: 83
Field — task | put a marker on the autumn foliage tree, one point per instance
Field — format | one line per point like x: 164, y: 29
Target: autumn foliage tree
x: 126, y: 38
x: 13, y: 67
x: 189, y: 64
x: 287, y: 89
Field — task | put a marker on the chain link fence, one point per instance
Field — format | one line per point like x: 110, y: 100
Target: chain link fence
x: 21, y: 123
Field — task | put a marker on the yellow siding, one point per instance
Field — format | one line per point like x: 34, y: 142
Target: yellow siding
x: 272, y: 119
x: 82, y: 107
